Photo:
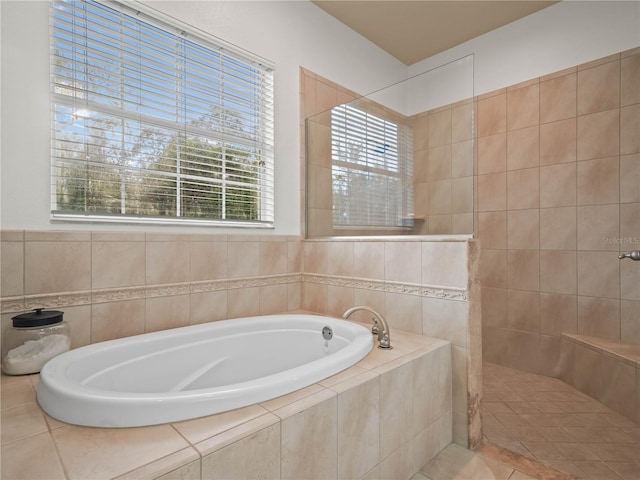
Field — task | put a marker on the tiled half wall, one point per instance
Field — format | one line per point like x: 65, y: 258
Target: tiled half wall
x: 113, y: 285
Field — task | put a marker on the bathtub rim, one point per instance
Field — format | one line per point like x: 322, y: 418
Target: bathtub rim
x: 65, y: 399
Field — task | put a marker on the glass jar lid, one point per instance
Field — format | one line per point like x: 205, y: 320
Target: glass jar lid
x: 37, y: 318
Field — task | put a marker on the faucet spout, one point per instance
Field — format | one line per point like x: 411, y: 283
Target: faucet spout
x: 384, y: 335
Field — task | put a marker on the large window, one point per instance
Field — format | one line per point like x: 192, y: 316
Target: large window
x: 154, y: 122
x: 372, y: 170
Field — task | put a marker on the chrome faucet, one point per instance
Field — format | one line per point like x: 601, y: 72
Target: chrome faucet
x: 384, y: 336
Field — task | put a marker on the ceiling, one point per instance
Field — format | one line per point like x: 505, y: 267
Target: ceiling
x: 414, y: 30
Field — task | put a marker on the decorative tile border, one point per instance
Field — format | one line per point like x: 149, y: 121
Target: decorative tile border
x: 449, y: 293
x: 19, y: 304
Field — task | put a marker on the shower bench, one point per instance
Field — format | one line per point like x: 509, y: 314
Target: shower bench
x: 604, y: 369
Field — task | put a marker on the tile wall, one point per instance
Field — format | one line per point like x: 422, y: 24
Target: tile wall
x: 443, y: 170
x: 558, y: 198
x: 113, y: 285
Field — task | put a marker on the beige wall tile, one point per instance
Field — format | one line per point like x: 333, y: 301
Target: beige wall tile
x: 630, y: 129
x: 109, y: 452
x: 523, y: 189
x: 598, y: 227
x: 231, y: 462
x: 404, y: 312
x: 314, y: 297
x: 523, y: 227
x: 402, y: 261
x: 57, y: 266
x: 368, y: 260
x: 587, y: 370
x: 358, y: 429
x: 619, y: 387
x: 444, y: 263
x: 397, y: 465
x: 117, y: 264
x: 494, y: 341
x: 558, y: 98
x: 523, y: 107
x: 462, y: 122
x: 440, y: 128
x: 523, y: 269
x: 558, y: 141
x: 629, y: 74
x: 558, y: 185
x: 494, y: 307
x: 446, y: 319
x: 599, y: 317
x: 493, y: 268
x: 309, y: 442
x: 599, y: 88
x: 598, y: 135
x: 629, y: 281
x: 273, y: 299
x: 163, y: 313
x: 558, y: 228
x: 339, y: 299
x: 208, y: 261
x: 432, y: 394
x: 492, y: 115
x: 629, y: 226
x: 207, y: 307
x: 462, y: 159
x: 599, y: 181
x: 428, y: 443
x: 167, y: 262
x: 558, y: 272
x: 117, y: 320
x: 599, y: 274
x: 243, y: 302
x: 12, y: 268
x: 439, y: 224
x: 523, y: 350
x: 79, y: 320
x: 492, y: 192
x: 462, y: 195
x: 396, y: 409
x: 315, y: 257
x: 243, y: 259
x: 630, y: 178
x: 492, y: 153
x: 340, y: 258
x: 492, y: 230
x: 629, y: 321
x: 558, y: 314
x: 523, y: 148
x: 439, y: 197
x: 523, y: 310
x: 439, y: 163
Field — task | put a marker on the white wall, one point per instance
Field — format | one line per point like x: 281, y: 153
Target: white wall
x: 289, y: 34
x: 560, y: 36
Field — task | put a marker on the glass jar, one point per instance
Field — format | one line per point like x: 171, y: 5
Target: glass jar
x: 33, y: 339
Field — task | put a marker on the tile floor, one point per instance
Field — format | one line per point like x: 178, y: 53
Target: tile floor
x: 545, y: 419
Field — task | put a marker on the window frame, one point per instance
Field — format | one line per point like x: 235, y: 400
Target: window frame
x: 263, y: 141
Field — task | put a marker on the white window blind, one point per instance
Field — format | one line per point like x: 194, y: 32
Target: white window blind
x: 372, y: 168
x: 155, y: 123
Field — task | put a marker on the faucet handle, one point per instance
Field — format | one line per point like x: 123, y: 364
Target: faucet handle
x: 633, y: 255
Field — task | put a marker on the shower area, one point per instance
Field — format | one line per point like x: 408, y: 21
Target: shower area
x: 546, y: 175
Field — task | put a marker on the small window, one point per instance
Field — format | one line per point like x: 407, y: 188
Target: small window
x: 152, y: 123
x: 372, y: 170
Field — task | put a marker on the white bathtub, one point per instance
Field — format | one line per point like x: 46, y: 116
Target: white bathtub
x: 194, y: 371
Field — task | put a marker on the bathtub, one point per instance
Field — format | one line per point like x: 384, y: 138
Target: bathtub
x: 198, y: 370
